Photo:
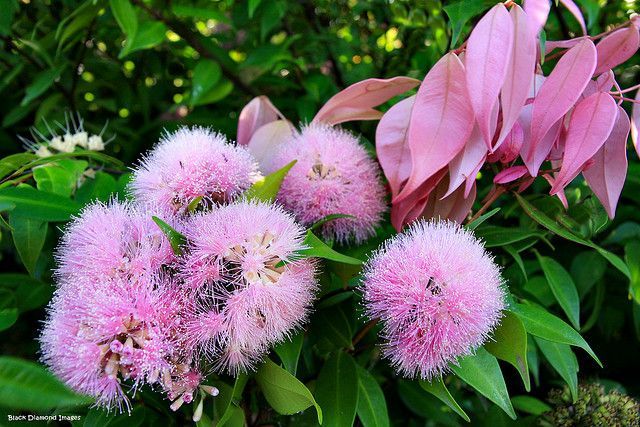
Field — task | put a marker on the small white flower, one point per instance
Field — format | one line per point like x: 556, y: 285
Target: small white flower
x: 95, y: 143
x: 43, y: 151
x: 81, y: 139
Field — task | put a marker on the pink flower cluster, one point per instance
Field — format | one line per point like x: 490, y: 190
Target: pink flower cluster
x: 438, y: 294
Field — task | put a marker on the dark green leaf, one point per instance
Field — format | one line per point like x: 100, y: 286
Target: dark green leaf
x: 632, y: 257
x: 41, y: 83
x: 510, y: 344
x: 587, y: 268
x: 232, y: 405
x: 11, y: 163
x: 529, y: 405
x: 267, y: 188
x: 205, y: 76
x: 149, y: 34
x: 333, y: 326
x: 204, y: 13
x: 437, y: 387
x: 28, y: 238
x: 289, y: 352
x: 563, y: 361
x: 176, y: 238
x: 253, y: 5
x: 8, y: 309
x: 563, y: 288
x: 372, y: 407
x: 482, y: 218
x: 101, y: 187
x: 494, y: 236
x: 39, y: 205
x: 337, y: 390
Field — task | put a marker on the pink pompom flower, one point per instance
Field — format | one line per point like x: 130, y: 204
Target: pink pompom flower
x: 438, y: 294
x: 191, y: 163
x: 249, y: 289
x: 333, y: 175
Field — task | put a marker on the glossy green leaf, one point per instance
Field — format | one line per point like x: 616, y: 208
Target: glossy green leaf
x: 482, y: 372
x: 494, y: 236
x: 461, y: 12
x: 372, y: 407
x: 28, y: 238
x: 529, y: 405
x: 231, y: 407
x: 148, y: 35
x: 205, y: 76
x: 176, y: 238
x: 510, y: 344
x: 328, y: 218
x: 563, y: 361
x: 316, y: 248
x: 284, y: 392
x: 266, y: 189
x: 11, y: 163
x: 289, y: 352
x: 125, y: 15
x: 632, y: 257
x: 41, y: 83
x: 39, y: 205
x: 437, y: 387
x: 29, y: 386
x: 543, y: 324
x: 60, y: 177
x: 337, y: 390
x: 563, y: 288
x: 587, y: 268
x: 481, y: 219
x: 8, y: 309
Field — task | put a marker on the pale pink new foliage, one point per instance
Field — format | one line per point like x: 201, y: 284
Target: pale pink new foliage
x: 333, y: 175
x: 191, y: 163
x: 438, y: 294
x: 248, y: 288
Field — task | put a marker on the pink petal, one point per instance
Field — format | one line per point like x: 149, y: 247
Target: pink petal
x: 455, y: 206
x: 357, y: 101
x: 408, y: 209
x: 575, y: 11
x: 560, y: 91
x: 537, y: 11
x: 391, y: 144
x: 488, y: 56
x: 259, y: 111
x: 508, y: 175
x: 520, y: 72
x: 590, y: 125
x: 563, y: 197
x: 635, y: 122
x: 266, y: 139
x: 533, y: 157
x: 466, y: 161
x: 551, y: 45
x: 441, y: 121
x: 508, y: 151
x: 607, y: 174
x: 616, y: 48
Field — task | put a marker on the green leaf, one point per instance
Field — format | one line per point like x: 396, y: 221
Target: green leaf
x: 284, y: 392
x: 149, y: 35
x: 632, y: 257
x: 510, y: 344
x: 6, y: 18
x: 41, y: 83
x: 461, y: 12
x: 220, y: 91
x: 437, y: 387
x: 8, y: 309
x: 236, y: 394
x: 289, y: 352
x: 542, y: 219
x: 482, y: 218
x: 587, y: 268
x: 563, y: 361
x: 334, y: 328
x: 494, y: 236
x: 79, y: 153
x: 319, y: 223
x: 253, y: 5
x: 176, y: 238
x: 39, y: 205
x: 60, y: 177
x: 530, y: 405
x: 337, y: 390
x: 266, y: 189
x: 372, y: 407
x: 543, y: 324
x: 563, y: 288
x: 29, y: 293
x: 11, y: 163
x: 202, y: 13
x: 205, y: 76
x: 101, y: 187
x: 482, y: 372
x: 125, y: 15
x: 29, y: 386
x: 28, y: 237
x: 316, y: 248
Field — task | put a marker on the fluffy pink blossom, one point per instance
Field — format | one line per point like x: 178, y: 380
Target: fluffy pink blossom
x: 438, y: 294
x: 248, y: 288
x: 333, y: 175
x: 191, y: 163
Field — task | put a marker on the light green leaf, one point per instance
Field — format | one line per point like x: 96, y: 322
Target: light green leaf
x: 461, y: 12
x: 206, y: 75
x: 11, y: 163
x: 482, y: 372
x: 266, y: 189
x: 39, y: 205
x: 437, y: 387
x: 372, y: 407
x: 253, y: 5
x: 543, y: 324
x: 316, y: 248
x: 176, y: 238
x: 230, y: 411
x: 319, y: 223
x: 41, y: 83
x: 289, y: 352
x: 125, y: 15
x: 563, y: 288
x: 563, y: 361
x: 284, y: 392
x: 529, y: 405
x: 510, y: 344
x: 220, y: 91
x: 337, y: 390
x: 149, y: 34
x: 28, y: 237
x: 482, y: 218
x: 60, y: 177
x: 29, y: 386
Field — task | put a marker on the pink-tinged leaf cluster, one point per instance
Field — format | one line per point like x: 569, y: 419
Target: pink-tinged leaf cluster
x: 438, y: 295
x: 248, y: 288
x: 333, y: 175
x: 192, y: 163
x: 488, y: 102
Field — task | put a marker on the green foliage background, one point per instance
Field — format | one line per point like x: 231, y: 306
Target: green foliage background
x: 144, y: 66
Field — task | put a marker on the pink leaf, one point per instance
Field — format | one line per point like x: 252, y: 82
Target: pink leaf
x: 466, y: 161
x: 590, y: 125
x: 508, y: 151
x: 357, y: 101
x: 563, y: 197
x: 454, y: 207
x: 520, y: 72
x: 635, y: 123
x: 392, y: 146
x: 551, y: 45
x: 488, y: 55
x: 264, y: 141
x: 575, y: 11
x: 616, y: 48
x: 533, y: 156
x: 537, y: 11
x: 259, y: 111
x: 560, y: 91
x: 408, y: 209
x: 441, y: 121
x: 609, y: 169
x: 508, y: 175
